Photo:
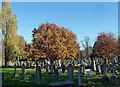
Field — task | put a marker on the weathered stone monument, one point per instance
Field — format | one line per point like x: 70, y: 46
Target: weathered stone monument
x: 23, y: 71
x: 113, y: 79
x: 82, y: 70
x: 56, y: 74
x: 38, y: 75
x: 70, y: 70
x: 51, y: 67
x: 63, y: 68
x: 90, y: 72
x: 1, y: 79
x: 46, y: 67
x: 79, y: 77
x: 98, y: 68
x: 32, y: 78
x: 105, y: 78
x: 15, y: 70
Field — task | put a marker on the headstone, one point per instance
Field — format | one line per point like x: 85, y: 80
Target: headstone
x: 70, y: 72
x: 15, y: 70
x: 46, y: 67
x: 27, y: 64
x: 60, y: 70
x: 23, y: 71
x: 79, y: 77
x: 63, y: 68
x: 105, y: 69
x: 94, y: 66
x: 82, y: 70
x: 90, y: 72
x: 51, y: 67
x: 73, y: 63
x: 113, y: 69
x: 56, y: 74
x: 101, y: 69
x: 98, y: 69
x: 38, y: 75
x: 32, y: 78
x: 1, y: 79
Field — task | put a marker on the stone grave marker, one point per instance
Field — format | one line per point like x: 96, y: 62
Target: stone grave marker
x: 113, y: 79
x: 56, y: 74
x: 32, y: 78
x: 46, y: 67
x: 70, y: 70
x: 14, y: 70
x: 79, y: 77
x: 105, y: 69
x: 23, y: 71
x: 38, y: 75
x: 1, y: 79
x: 90, y: 72
x: 60, y: 70
x: 63, y: 68
x: 82, y: 70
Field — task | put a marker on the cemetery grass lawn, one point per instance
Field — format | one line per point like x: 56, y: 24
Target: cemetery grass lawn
x: 0, y: 64
x: 10, y: 80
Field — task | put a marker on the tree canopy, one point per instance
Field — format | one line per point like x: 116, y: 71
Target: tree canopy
x: 106, y: 45
x: 9, y: 27
x: 53, y: 42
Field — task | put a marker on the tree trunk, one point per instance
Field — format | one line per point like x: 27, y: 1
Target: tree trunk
x: 6, y: 56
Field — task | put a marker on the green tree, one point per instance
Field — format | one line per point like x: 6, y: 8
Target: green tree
x: 22, y: 47
x: 9, y: 35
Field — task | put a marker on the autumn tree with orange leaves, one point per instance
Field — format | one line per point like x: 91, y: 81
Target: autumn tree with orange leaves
x: 53, y: 42
x: 106, y: 45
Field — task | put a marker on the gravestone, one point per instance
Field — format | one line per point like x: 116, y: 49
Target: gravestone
x: 94, y: 65
x: 73, y: 63
x: 63, y: 68
x: 70, y: 70
x: 60, y: 70
x: 1, y: 79
x: 82, y: 70
x: 15, y: 70
x: 32, y: 78
x: 105, y: 78
x: 98, y: 69
x: 101, y: 69
x: 23, y: 71
x: 105, y: 69
x: 56, y: 74
x: 46, y: 67
x: 51, y: 67
x: 27, y: 64
x: 113, y: 79
x: 113, y: 69
x: 38, y: 75
x: 90, y: 72
x: 79, y: 77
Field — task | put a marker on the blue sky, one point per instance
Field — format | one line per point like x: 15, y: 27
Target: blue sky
x: 83, y: 18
